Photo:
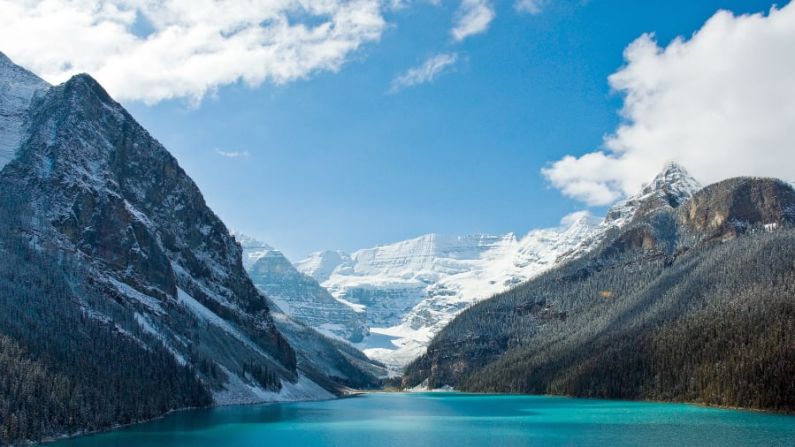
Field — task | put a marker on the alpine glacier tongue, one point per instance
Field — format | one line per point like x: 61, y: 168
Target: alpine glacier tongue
x: 17, y: 89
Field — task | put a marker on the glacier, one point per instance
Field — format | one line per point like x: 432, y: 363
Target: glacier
x: 411, y: 289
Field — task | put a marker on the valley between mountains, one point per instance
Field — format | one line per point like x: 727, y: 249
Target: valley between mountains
x: 123, y: 296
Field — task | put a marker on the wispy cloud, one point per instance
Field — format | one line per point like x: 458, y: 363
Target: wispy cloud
x: 530, y: 6
x: 232, y: 154
x: 710, y: 102
x: 161, y: 49
x: 432, y: 68
x: 473, y: 17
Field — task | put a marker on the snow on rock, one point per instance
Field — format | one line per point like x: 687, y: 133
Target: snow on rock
x: 320, y: 265
x: 411, y: 289
x: 253, y: 249
x: 18, y: 87
x: 300, y: 295
x: 672, y: 186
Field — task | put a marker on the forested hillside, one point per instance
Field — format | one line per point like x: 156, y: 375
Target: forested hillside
x: 122, y: 295
x: 689, y: 303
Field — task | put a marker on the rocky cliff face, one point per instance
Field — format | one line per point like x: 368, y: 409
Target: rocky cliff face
x: 733, y: 207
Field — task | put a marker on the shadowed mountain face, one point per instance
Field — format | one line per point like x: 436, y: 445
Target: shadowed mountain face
x: 687, y: 301
x: 298, y: 295
x: 311, y: 319
x: 122, y: 295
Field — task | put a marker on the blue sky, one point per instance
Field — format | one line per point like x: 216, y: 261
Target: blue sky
x: 338, y: 162
x: 336, y: 159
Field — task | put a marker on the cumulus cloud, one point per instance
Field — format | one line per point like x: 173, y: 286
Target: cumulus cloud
x: 152, y: 50
x: 473, y: 17
x: 721, y: 103
x: 432, y: 68
x: 232, y: 154
x: 530, y: 6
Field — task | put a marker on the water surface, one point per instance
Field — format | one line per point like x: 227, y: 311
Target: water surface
x: 455, y: 420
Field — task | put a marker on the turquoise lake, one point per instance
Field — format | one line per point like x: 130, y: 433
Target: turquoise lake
x: 455, y: 420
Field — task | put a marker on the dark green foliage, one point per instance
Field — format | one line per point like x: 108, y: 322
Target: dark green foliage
x: 713, y: 324
x: 64, y: 371
x: 265, y: 377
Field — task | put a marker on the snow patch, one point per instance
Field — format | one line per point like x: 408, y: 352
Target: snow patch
x: 128, y: 291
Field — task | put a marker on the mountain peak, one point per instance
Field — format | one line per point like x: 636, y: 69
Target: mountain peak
x: 675, y: 180
x: 671, y: 187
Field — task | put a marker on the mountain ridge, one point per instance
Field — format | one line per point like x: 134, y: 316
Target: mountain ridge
x: 676, y: 305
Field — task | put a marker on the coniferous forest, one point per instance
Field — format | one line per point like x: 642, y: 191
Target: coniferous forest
x: 710, y: 322
x: 64, y: 371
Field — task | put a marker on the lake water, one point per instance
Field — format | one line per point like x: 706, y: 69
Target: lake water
x: 455, y: 420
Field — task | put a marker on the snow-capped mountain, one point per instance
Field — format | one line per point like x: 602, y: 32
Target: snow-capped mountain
x: 672, y: 186
x: 411, y: 289
x: 116, y: 274
x: 298, y: 295
x: 111, y: 199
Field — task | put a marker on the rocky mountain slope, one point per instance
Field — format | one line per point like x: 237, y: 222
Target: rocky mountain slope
x: 18, y: 87
x: 298, y: 295
x: 122, y: 295
x: 410, y: 290
x: 689, y: 300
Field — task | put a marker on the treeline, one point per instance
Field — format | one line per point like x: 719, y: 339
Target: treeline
x: 714, y: 324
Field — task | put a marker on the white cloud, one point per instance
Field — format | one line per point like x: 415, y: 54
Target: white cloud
x: 530, y: 6
x: 721, y: 103
x: 473, y: 17
x: 191, y: 47
x: 432, y: 68
x: 232, y: 154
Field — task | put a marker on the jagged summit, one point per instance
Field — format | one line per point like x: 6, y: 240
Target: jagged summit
x: 670, y: 188
x: 18, y: 87
x: 675, y: 182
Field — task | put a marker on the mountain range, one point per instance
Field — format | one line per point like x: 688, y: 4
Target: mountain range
x: 124, y: 297
x: 410, y: 290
